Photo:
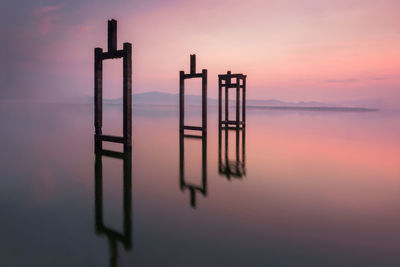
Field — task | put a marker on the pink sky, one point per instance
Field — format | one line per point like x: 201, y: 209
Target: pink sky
x: 291, y: 50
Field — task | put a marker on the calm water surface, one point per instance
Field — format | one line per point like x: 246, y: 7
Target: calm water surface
x: 303, y: 189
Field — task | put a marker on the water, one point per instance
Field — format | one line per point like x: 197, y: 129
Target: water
x: 312, y: 189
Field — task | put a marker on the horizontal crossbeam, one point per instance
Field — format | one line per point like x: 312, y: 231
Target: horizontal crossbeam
x: 231, y: 85
x: 232, y: 128
x: 113, y: 54
x: 110, y: 138
x: 193, y: 136
x: 190, y: 76
x: 111, y: 154
x: 238, y: 75
x: 232, y: 122
x: 195, y: 128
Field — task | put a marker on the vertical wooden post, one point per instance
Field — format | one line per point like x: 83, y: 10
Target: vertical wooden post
x: 112, y: 35
x: 227, y: 83
x: 204, y: 164
x: 219, y: 101
x: 98, y: 93
x: 237, y: 102
x: 237, y: 148
x: 181, y: 161
x: 204, y: 101
x: 127, y: 102
x: 181, y: 100
x: 193, y: 64
x: 244, y: 102
x: 220, y: 148
x: 243, y: 150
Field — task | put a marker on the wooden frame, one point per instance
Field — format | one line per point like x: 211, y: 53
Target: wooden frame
x: 225, y: 81
x: 182, y: 78
x: 99, y: 56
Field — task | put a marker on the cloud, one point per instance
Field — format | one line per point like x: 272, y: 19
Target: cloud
x: 41, y: 11
x: 379, y: 78
x: 349, y: 80
x: 46, y: 18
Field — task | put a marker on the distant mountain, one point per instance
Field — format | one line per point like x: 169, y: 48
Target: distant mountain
x: 161, y: 98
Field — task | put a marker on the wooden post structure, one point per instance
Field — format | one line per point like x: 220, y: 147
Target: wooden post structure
x: 182, y: 77
x: 99, y: 56
x: 239, y: 83
x: 185, y: 185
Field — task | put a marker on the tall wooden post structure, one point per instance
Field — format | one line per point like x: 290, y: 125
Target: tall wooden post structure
x: 99, y: 56
x: 232, y: 81
x: 182, y: 78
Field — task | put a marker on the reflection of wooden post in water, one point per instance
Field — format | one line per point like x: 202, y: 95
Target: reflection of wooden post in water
x: 225, y: 82
x: 236, y: 168
x: 183, y: 184
x: 99, y: 56
x: 182, y: 77
x: 113, y: 236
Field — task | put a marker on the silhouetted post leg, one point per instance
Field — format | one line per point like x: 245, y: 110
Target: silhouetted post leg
x: 226, y: 106
x: 128, y: 199
x: 244, y: 103
x: 192, y: 64
x: 98, y: 192
x: 181, y: 161
x: 237, y: 102
x: 243, y: 150
x: 204, y: 164
x: 98, y: 94
x: 219, y: 101
x: 204, y: 102
x: 181, y: 99
x: 127, y: 105
x: 219, y: 148
x: 237, y: 150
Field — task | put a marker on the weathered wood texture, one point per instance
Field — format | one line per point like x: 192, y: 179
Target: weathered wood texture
x: 112, y: 35
x: 113, y: 53
x: 182, y: 78
x: 224, y: 84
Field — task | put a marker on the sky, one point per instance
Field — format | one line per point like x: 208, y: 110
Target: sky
x: 303, y: 50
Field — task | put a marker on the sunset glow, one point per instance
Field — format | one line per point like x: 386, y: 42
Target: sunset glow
x: 291, y: 50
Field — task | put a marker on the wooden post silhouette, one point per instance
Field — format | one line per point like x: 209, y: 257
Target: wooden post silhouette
x: 99, y: 56
x: 225, y: 82
x: 182, y: 77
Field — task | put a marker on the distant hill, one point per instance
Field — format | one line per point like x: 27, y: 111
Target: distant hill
x: 161, y: 98
x: 167, y: 99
